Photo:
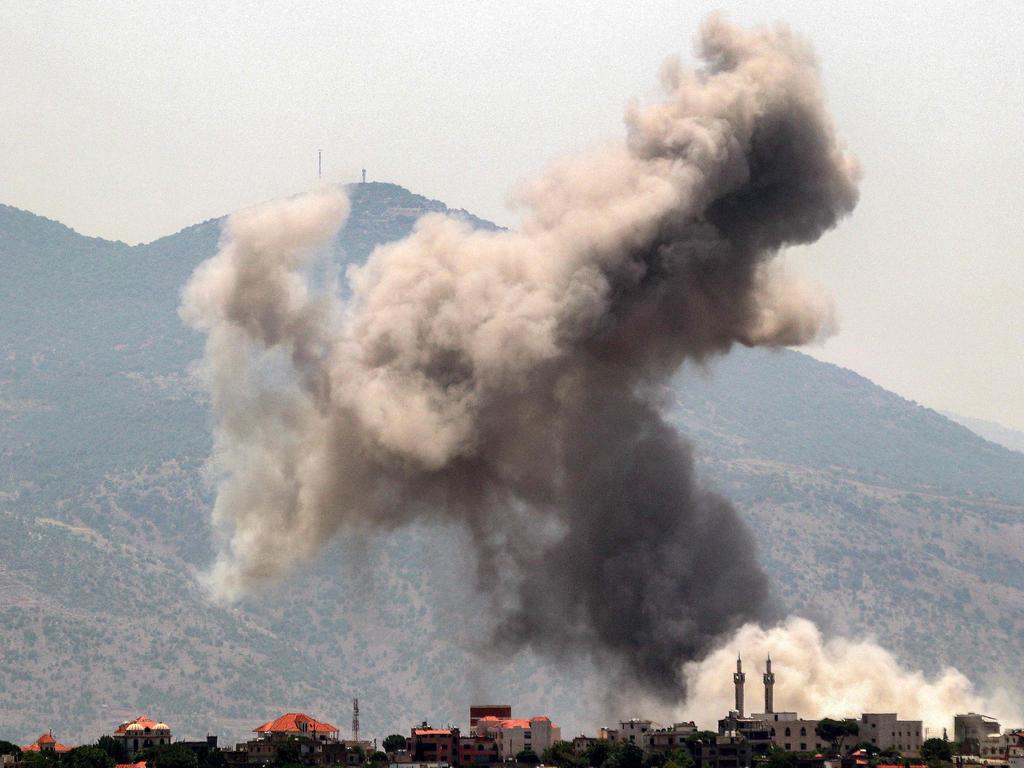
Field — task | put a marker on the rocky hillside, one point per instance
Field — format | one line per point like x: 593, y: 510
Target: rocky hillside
x: 875, y: 516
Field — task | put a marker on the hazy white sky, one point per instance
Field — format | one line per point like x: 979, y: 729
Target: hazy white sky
x: 130, y: 120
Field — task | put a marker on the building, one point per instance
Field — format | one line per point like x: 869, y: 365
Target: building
x: 670, y: 739
x: 435, y: 745
x: 476, y: 711
x: 972, y: 729
x: 297, y: 724
x: 722, y: 751
x: 46, y: 743
x: 514, y: 736
x: 739, y: 679
x: 793, y: 734
x: 887, y: 731
x: 634, y: 730
x: 734, y: 751
x: 582, y: 743
x: 317, y: 742
x: 142, y: 732
x: 478, y: 750
x: 756, y: 734
x: 1001, y: 746
x: 1015, y: 752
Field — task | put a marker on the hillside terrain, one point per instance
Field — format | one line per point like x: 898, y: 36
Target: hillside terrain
x: 875, y: 516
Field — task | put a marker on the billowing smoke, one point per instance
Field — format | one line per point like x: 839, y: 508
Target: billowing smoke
x: 818, y: 677
x: 511, y: 382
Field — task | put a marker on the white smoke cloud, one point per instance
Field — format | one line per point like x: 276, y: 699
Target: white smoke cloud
x: 819, y: 676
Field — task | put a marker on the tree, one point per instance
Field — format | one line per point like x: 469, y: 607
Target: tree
x: 563, y: 755
x: 7, y: 748
x: 87, y: 757
x: 597, y: 753
x: 41, y: 759
x: 174, y: 756
x: 625, y: 755
x: 377, y: 758
x: 113, y: 747
x: 780, y: 758
x: 394, y: 743
x: 835, y: 731
x: 936, y: 750
x: 655, y: 760
x: 288, y: 752
x: 527, y: 756
x: 681, y: 758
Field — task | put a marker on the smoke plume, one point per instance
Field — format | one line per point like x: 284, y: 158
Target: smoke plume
x: 837, y: 677
x: 510, y: 382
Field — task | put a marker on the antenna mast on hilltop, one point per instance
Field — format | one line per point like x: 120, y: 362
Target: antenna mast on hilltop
x: 355, y: 719
x: 320, y: 164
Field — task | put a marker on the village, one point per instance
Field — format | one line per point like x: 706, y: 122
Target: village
x: 770, y: 739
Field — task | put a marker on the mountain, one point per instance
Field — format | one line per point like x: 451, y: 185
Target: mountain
x: 874, y: 515
x: 992, y: 431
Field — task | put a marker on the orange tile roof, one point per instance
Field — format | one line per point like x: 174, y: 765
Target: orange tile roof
x: 292, y: 722
x: 47, y: 739
x: 140, y: 764
x: 142, y: 720
x: 432, y: 732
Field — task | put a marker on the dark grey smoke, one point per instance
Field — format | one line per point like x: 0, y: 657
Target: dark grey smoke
x: 511, y: 382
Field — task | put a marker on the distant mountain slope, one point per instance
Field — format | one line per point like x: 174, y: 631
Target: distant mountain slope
x: 991, y: 431
x: 792, y: 408
x: 875, y: 515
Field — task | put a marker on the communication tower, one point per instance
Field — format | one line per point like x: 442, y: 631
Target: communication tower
x: 355, y: 708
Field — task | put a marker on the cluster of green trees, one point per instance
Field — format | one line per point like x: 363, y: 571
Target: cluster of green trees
x: 107, y: 752
x: 606, y: 754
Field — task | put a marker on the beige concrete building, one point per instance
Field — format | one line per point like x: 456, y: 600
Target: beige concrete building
x: 635, y: 731
x: 514, y: 736
x: 887, y: 731
x: 972, y: 729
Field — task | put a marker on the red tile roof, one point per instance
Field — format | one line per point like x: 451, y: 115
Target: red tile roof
x: 432, y: 731
x: 140, y: 764
x: 49, y: 742
x: 511, y: 723
x: 292, y: 723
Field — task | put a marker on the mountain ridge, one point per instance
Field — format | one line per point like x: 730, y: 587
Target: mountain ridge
x: 104, y: 518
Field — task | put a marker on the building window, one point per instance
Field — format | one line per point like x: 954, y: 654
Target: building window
x: 787, y: 731
x: 803, y: 731
x: 803, y: 747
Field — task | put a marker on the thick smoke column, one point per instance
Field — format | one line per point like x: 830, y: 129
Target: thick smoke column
x: 511, y: 382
